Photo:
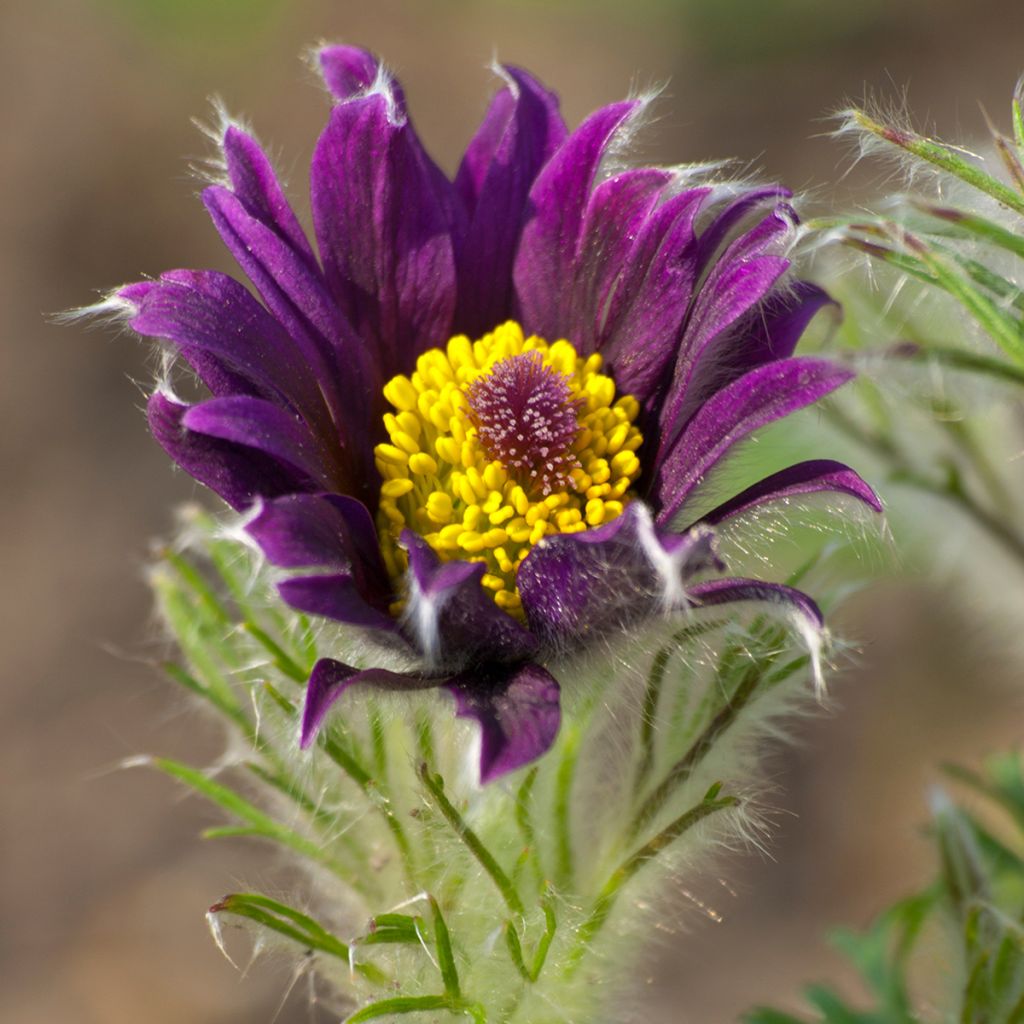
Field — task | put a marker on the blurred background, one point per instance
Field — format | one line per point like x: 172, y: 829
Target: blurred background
x: 103, y: 882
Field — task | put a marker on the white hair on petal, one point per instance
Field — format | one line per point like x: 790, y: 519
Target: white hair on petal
x: 422, y: 615
x: 667, y: 564
x: 112, y: 310
x: 212, y: 169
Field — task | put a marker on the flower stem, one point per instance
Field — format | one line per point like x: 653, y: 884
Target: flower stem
x: 685, y: 766
x: 606, y: 899
x: 435, y: 786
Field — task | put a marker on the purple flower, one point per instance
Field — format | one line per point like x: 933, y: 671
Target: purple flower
x: 473, y: 417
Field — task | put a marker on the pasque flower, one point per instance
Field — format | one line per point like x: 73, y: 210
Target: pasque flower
x: 473, y: 417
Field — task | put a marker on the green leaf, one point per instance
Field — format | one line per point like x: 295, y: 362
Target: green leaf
x: 942, y: 157
x: 402, y: 1004
x: 255, y: 821
x: 295, y: 925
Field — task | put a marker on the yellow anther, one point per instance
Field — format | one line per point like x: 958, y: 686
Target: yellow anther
x: 396, y: 488
x: 595, y: 512
x: 471, y: 541
x: 439, y: 506
x: 404, y: 441
x: 423, y: 464
x: 400, y: 393
x: 389, y: 453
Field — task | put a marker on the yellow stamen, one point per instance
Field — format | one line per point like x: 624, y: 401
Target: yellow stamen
x: 440, y: 482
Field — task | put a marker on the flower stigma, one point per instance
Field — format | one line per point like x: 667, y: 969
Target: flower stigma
x: 497, y: 443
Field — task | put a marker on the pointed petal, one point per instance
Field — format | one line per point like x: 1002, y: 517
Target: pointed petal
x: 266, y: 427
x: 558, y: 199
x: 336, y: 596
x: 645, y: 312
x: 801, y: 611
x: 736, y: 286
x: 517, y: 709
x: 384, y: 217
x: 208, y: 314
x: 452, y: 619
x: 297, y: 296
x: 616, y: 211
x: 330, y: 679
x: 519, y: 133
x: 754, y: 400
x: 327, y: 531
x: 575, y: 586
x: 348, y: 70
x: 254, y: 182
x: 810, y: 477
x: 732, y: 214
x: 237, y: 473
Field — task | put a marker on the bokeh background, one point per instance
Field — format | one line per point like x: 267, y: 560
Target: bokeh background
x: 103, y: 883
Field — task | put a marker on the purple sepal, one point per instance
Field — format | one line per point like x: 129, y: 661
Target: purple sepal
x: 558, y: 200
x: 254, y: 182
x: 519, y: 133
x: 646, y: 309
x: 265, y: 427
x: 385, y: 217
x: 711, y: 593
x: 811, y: 477
x: 237, y: 473
x: 451, y: 619
x: 518, y: 710
x: 577, y: 586
x: 348, y: 71
x: 326, y: 531
x: 336, y: 596
x: 330, y: 679
x: 754, y: 400
x: 517, y: 707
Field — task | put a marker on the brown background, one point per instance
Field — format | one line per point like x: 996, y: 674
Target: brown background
x: 103, y: 883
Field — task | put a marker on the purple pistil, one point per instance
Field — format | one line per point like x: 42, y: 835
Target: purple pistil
x: 527, y: 419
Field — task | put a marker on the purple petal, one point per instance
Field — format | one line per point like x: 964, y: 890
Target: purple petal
x: 330, y: 679
x: 519, y: 133
x: 640, y: 333
x: 302, y: 530
x: 756, y: 399
x: 616, y: 211
x: 732, y: 214
x: 795, y: 605
x: 744, y: 275
x: 336, y: 596
x: 711, y: 593
x: 558, y: 199
x: 348, y: 70
x: 238, y: 474
x: 329, y: 531
x: 384, y: 217
x: 809, y: 477
x: 259, y: 424
x: 254, y: 182
x: 208, y: 314
x: 297, y: 296
x: 575, y: 586
x: 517, y: 709
x: 452, y: 619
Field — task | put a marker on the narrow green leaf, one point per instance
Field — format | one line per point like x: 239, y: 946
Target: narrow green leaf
x: 401, y: 1004
x: 393, y: 929
x: 942, y: 157
x: 435, y: 786
x: 975, y: 225
x: 445, y: 957
x: 255, y: 821
x: 280, y: 658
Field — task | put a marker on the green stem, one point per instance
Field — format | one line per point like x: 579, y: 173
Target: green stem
x: 435, y: 786
x: 589, y: 929
x: 564, y: 777
x: 681, y: 771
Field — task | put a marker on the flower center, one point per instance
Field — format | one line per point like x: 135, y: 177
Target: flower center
x: 497, y: 443
x: 526, y: 419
